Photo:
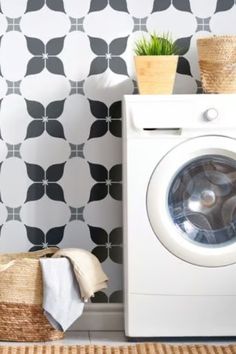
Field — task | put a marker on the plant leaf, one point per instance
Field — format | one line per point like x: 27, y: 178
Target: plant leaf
x: 156, y: 45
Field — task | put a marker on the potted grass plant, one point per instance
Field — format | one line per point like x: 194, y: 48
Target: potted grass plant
x: 156, y: 62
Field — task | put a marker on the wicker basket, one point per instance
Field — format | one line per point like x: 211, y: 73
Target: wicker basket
x: 217, y: 61
x: 21, y: 295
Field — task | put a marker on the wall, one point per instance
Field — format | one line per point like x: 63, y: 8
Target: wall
x: 64, y: 68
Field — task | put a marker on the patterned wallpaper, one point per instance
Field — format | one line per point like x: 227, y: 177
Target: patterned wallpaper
x: 64, y: 66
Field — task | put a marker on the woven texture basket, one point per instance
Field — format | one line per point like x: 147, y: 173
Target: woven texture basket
x: 217, y: 61
x: 21, y: 297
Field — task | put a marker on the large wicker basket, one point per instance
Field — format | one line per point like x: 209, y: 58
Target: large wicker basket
x: 21, y: 295
x: 217, y: 61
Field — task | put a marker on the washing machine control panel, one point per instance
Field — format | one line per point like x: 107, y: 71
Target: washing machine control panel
x: 210, y: 114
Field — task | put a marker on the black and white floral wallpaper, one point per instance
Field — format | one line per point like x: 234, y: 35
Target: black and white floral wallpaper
x: 64, y: 66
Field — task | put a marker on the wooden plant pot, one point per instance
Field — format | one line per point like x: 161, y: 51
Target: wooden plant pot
x: 156, y: 74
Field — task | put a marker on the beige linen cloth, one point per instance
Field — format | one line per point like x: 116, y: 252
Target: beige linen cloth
x: 87, y: 269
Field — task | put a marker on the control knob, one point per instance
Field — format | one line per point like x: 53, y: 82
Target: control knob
x: 210, y: 114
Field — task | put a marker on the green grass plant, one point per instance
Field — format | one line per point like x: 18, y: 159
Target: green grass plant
x: 156, y: 45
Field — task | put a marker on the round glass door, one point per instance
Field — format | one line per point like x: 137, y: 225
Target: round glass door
x: 191, y: 201
x: 202, y: 200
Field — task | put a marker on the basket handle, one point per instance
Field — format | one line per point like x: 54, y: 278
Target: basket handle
x: 4, y: 267
x: 27, y: 255
x: 41, y: 253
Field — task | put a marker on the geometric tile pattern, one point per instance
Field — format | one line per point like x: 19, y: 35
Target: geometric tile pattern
x: 64, y: 66
x: 203, y: 24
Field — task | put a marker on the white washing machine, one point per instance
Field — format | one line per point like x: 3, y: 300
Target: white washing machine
x: 179, y: 166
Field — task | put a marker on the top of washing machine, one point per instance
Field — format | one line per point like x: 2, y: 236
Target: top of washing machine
x: 180, y: 112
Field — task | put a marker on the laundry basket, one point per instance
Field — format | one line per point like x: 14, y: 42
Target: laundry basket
x: 217, y: 61
x: 21, y: 295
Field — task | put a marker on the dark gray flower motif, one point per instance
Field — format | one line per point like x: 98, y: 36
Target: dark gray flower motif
x: 183, y: 45
x: 108, y: 118
x: 35, y: 5
x: 181, y: 5
x: 98, y: 5
x: 108, y: 56
x: 101, y: 297
x: 108, y: 245
x: 40, y: 240
x: 108, y: 182
x: 45, y: 182
x: 224, y: 5
x: 0, y: 192
x: 45, y: 56
x: 161, y: 5
x: 0, y: 67
x: 183, y: 66
x: 45, y: 118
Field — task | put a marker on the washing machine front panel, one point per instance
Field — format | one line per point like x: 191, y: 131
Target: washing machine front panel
x: 191, y: 201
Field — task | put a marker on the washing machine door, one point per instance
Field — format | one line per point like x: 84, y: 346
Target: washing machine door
x: 191, y: 201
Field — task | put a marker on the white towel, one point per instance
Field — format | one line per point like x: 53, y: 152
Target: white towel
x: 62, y: 303
x: 87, y: 269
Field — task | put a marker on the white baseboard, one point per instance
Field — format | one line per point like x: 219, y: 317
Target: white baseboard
x: 100, y: 317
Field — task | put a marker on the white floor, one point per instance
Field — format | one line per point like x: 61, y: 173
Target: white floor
x: 109, y: 338
x: 82, y: 337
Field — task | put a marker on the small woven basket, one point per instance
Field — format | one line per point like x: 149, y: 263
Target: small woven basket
x: 21, y: 297
x: 217, y: 61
